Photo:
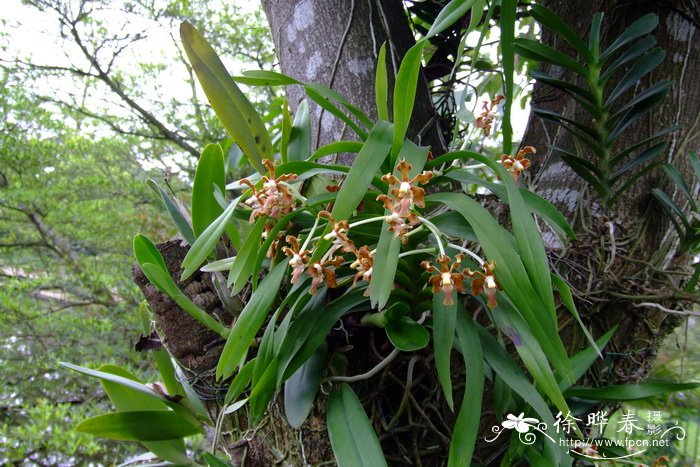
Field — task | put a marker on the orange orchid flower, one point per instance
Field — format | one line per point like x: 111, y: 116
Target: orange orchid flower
x: 485, y: 282
x: 446, y: 278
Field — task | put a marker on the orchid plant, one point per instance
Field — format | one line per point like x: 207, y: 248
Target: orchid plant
x: 395, y: 238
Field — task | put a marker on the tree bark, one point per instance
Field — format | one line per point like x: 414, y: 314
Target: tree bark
x: 336, y: 44
x: 623, y: 254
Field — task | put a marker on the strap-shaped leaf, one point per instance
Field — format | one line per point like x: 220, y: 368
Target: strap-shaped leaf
x: 466, y: 427
x: 405, y: 93
x: 444, y: 322
x: 631, y: 392
x: 173, y: 208
x: 565, y: 86
x: 366, y: 164
x: 654, y: 93
x: 336, y: 148
x: 325, y: 103
x: 242, y: 266
x: 310, y: 329
x: 642, y: 26
x: 301, y: 388
x: 632, y: 180
x: 637, y: 50
x: 507, y: 26
x: 551, y: 115
x: 206, y: 241
x: 353, y: 439
x: 571, y: 157
x: 585, y: 173
x: 640, y: 159
x: 381, y: 85
x: 548, y: 18
x: 594, y: 35
x: 619, y: 157
x: 677, y: 178
x: 299, y: 146
x: 449, y: 15
x: 582, y: 361
x: 249, y: 321
x: 231, y: 106
x: 695, y: 162
x: 210, y: 173
x: 145, y: 425
x: 639, y: 110
x: 534, y: 50
x: 568, y: 300
x: 644, y: 65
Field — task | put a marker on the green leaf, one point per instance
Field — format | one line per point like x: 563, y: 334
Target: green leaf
x: 299, y: 147
x: 206, y: 241
x: 242, y: 266
x: 234, y: 110
x: 534, y: 50
x: 213, y: 461
x: 630, y: 392
x: 642, y: 26
x: 511, y: 323
x: 381, y: 85
x: 642, y: 67
x: 210, y: 173
x: 637, y: 50
x: 449, y: 15
x: 444, y: 322
x: 146, y: 425
x: 301, y: 388
x: 249, y: 321
x: 530, y: 246
x: 366, y: 164
x: 565, y: 86
x: 640, y: 159
x: 183, y: 226
x: 130, y: 383
x: 677, y: 178
x: 594, y: 35
x: 582, y: 361
x: 466, y: 427
x: 502, y: 363
x: 325, y: 103
x: 619, y: 157
x: 286, y: 131
x: 352, y: 437
x: 568, y: 300
x: 310, y: 329
x: 331, y: 94
x: 548, y: 18
x: 146, y: 252
x: 127, y: 393
x: 240, y: 381
x: 507, y: 25
x: 405, y: 93
x: 640, y: 109
x: 695, y: 162
x: 265, y: 78
x: 407, y: 335
x: 336, y: 148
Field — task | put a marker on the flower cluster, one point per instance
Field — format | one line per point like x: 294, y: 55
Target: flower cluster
x: 485, y: 120
x: 323, y: 271
x: 405, y: 195
x: 448, y: 279
x: 518, y: 164
x: 275, y: 199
